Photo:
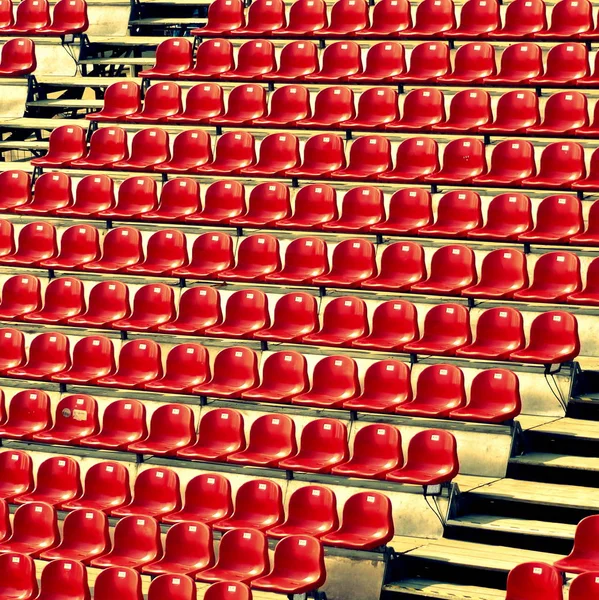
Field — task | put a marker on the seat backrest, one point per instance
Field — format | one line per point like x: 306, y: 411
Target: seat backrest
x: 380, y: 442
x: 137, y: 537
x: 245, y: 550
x: 223, y: 425
x: 226, y: 14
x: 118, y: 582
x: 227, y: 590
x: 336, y: 376
x: 140, y: 357
x: 173, y: 587
x: 535, y: 581
x: 584, y: 586
x: 174, y: 55
x: 68, y: 577
x: 18, y: 575
x: 236, y: 365
x: 125, y: 418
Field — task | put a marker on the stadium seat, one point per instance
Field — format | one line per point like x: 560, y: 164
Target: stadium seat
x: 186, y: 366
x: 377, y: 107
x: 114, y: 581
x: 191, y: 150
x: 508, y: 216
x: 171, y: 427
x: 12, y: 349
x: 199, y: 307
x: 63, y: 298
x: 290, y: 322
x: 174, y: 587
x: 511, y: 162
x: 203, y: 102
x: 409, y: 210
x: 584, y: 586
x: 34, y: 530
x: 340, y: 61
x: 428, y: 61
x: 520, y: 61
x: 36, y: 242
x: 263, y: 17
x: 234, y: 151
x: 66, y: 144
x: 161, y: 101
x: 136, y: 543
x: 121, y: 100
x: 591, y: 181
x: 257, y: 256
x: 17, y: 57
x: 564, y: 64
x: 242, y: 556
x: 227, y: 590
x: 211, y: 253
x: 296, y: 61
x: 334, y: 380
x: 343, y: 320
x: 503, y: 272
x: 463, y: 159
x: 416, y: 158
x: 187, y: 549
x: 366, y: 524
x: 18, y: 576
x: 452, y: 269
x: 108, y: 301
x: 323, y: 445
x: 139, y: 363
x: 278, y: 153
x: 553, y: 338
x: 333, y: 105
x: 590, y: 293
x: 84, y: 536
x: 149, y: 147
x: 432, y: 459
x: 173, y: 56
x: 422, y: 108
x: 394, y: 324
x: 590, y: 236
x: 64, y: 578
x: 106, y: 487
x: 534, y: 581
x: 179, y: 197
x: 153, y: 304
x: 106, y: 147
x: 384, y: 61
x: 121, y: 247
x: 288, y: 104
x: 235, y: 370
x: 123, y: 422
x: 569, y: 19
x: 48, y: 354
x: 478, y: 18
x: 361, y: 207
x: 457, y: 213
x: 268, y: 202
x: 515, y: 112
x: 223, y: 200
x: 166, y: 250
x: 246, y: 312
x: 17, y: 189
x: 401, y: 265
x: 305, y: 18
x: 305, y: 258
x: 244, y: 104
x: 386, y: 385
x: 255, y: 58
x: 559, y: 218
x: 368, y: 157
x: 30, y: 16
x: 376, y: 451
x: 323, y: 154
x: 439, y: 390
x: 223, y: 17
x: 213, y: 58
x: 271, y: 439
x: 207, y: 499
x: 312, y: 511
x: 352, y: 262
x: 433, y: 17
x: 446, y: 328
x: 57, y: 481
x: 564, y: 112
x: 315, y: 204
x: 389, y: 18
x: 468, y: 111
x: 16, y: 476
x: 79, y: 244
x: 472, y: 63
x: 284, y: 375
x: 523, y: 18
x: 347, y: 17
x: 52, y: 191
x: 220, y: 433
x: 75, y: 417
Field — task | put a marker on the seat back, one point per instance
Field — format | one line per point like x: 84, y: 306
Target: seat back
x: 534, y: 580
x: 118, y: 582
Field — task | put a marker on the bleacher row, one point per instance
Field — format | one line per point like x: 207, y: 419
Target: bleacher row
x: 32, y: 18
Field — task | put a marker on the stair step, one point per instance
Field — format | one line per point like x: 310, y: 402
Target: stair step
x: 426, y: 588
x: 546, y: 459
x: 576, y: 428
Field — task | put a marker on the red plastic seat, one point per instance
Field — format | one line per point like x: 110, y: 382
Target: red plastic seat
x: 220, y: 433
x: 556, y: 275
x: 79, y: 244
x: 519, y: 63
x: 264, y: 16
x: 18, y: 57
x: 166, y: 250
x: 245, y: 103
x: 494, y: 398
x: 84, y: 536
x: 63, y: 298
x: 179, y: 197
x: 12, y: 349
x: 271, y: 439
x: 564, y: 63
x: 139, y: 363
x: 422, y: 108
x: 291, y: 321
x: 211, y: 254
x: 124, y: 583
x: 48, y: 354
x: 149, y: 147
x: 389, y: 18
x: 402, y: 265
x: 428, y: 61
x: 433, y: 17
x: 187, y: 549
x: 589, y: 295
x: 17, y: 189
x: 409, y: 210
x: 431, y: 459
x: 439, y: 390
x: 333, y: 105
x: 469, y: 110
x: 278, y: 153
x: 64, y: 579
x: 446, y: 328
x: 564, y: 112
x: 161, y: 100
x: 191, y: 150
x: 52, y: 191
x: 34, y: 530
x: 353, y: 261
x: 186, y: 366
x: 344, y: 320
x: 368, y: 157
x: 6, y: 14
x: 558, y: 218
x: 340, y: 61
x: 20, y: 295
x: 288, y: 104
x: 534, y: 581
x: 173, y: 56
x: 463, y: 159
x: 347, y: 17
x: 376, y: 450
x: 502, y: 273
x: 227, y: 590
x: 523, y: 18
x: 75, y: 417
x: 515, y: 112
x: 18, y: 576
x: 583, y: 557
x: 223, y: 17
x: 213, y: 58
x: 202, y: 103
x: 457, y: 213
x: 511, y: 162
x: 242, y: 556
x: 377, y: 107
x: 207, y: 497
x: 305, y: 18
x: 153, y: 305
x: 108, y: 302
x: 334, y: 380
x: 323, y: 154
x: 235, y: 370
x: 66, y: 143
x: 478, y: 18
x: 591, y: 181
x: 106, y: 486
x: 258, y: 504
x: 234, y: 151
x: 223, y: 200
x: 562, y: 163
x: 569, y: 19
x: 16, y: 475
x: 36, y: 242
x: 508, y: 216
x: 199, y: 308
x: 136, y: 543
x: 255, y: 59
x: 305, y: 258
x: 312, y: 511
x: 296, y: 61
x: 452, y: 269
x: 416, y: 159
x: 246, y: 312
x: 394, y: 324
x: 106, y: 147
x: 315, y: 204
x: 155, y: 493
x: 257, y: 256
x: 171, y: 427
x: 323, y: 445
x: 284, y: 375
x: 120, y: 101
x: 123, y: 422
x: 553, y: 338
x: 57, y: 481
x: 384, y: 61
